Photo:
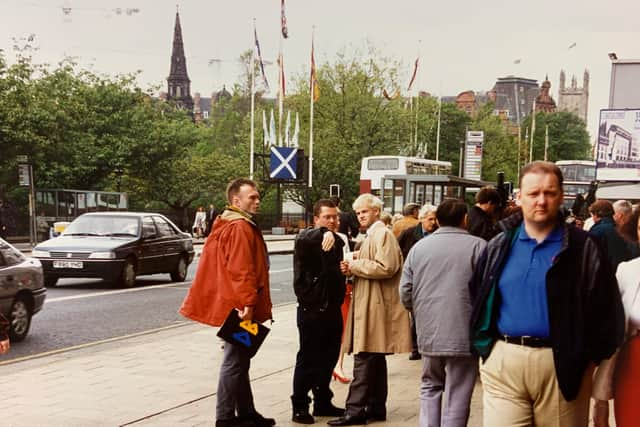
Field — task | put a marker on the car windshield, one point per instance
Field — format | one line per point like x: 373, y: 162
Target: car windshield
x: 95, y: 225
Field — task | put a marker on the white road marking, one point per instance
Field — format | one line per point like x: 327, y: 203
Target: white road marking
x: 145, y: 288
x: 122, y: 291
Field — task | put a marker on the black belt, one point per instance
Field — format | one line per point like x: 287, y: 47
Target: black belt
x: 526, y: 341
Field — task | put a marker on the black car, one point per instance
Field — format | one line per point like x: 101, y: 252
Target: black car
x: 116, y: 247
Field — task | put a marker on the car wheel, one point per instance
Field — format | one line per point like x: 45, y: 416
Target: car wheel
x: 50, y: 282
x: 180, y: 273
x: 128, y: 274
x: 20, y: 318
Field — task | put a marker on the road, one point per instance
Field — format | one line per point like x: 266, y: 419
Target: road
x: 80, y: 312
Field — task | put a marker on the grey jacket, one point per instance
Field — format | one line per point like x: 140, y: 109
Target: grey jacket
x: 435, y: 288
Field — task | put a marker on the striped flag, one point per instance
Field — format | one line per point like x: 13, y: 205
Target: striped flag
x: 413, y: 76
x: 264, y: 76
x: 313, y: 81
x: 283, y: 21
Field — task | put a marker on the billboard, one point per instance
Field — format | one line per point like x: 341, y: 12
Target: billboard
x: 473, y: 154
x: 618, y: 151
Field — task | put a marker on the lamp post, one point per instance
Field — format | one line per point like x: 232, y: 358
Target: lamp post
x: 119, y: 172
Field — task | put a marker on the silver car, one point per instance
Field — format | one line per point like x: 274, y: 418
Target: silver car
x: 22, y: 290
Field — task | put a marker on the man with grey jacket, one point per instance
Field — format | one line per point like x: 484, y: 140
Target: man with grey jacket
x: 434, y: 286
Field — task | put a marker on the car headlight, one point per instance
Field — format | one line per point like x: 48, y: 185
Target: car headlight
x: 103, y: 255
x: 40, y: 254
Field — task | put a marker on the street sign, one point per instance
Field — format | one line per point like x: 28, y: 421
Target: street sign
x: 334, y: 190
x: 473, y: 155
x: 284, y: 163
x: 24, y: 177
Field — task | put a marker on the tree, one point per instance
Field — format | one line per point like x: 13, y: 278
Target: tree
x: 568, y: 136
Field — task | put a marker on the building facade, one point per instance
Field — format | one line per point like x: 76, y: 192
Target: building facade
x: 572, y: 98
x: 544, y: 101
x: 514, y: 97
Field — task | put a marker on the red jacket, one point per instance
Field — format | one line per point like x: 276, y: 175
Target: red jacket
x: 233, y: 272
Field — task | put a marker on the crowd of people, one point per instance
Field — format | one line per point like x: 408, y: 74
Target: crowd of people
x: 545, y: 312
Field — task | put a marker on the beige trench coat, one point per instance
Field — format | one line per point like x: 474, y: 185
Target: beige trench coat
x: 377, y: 320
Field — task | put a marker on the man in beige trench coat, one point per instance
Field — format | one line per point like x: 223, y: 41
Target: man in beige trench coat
x: 377, y: 324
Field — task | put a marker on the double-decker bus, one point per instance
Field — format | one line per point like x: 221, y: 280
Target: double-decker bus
x: 398, y: 180
x: 375, y: 168
x: 578, y: 176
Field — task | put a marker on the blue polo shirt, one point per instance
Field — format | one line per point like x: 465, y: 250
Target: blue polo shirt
x: 523, y: 285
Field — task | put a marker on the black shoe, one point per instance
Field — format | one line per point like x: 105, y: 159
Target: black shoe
x: 327, y: 411
x: 415, y: 356
x: 257, y: 420
x: 302, y: 417
x: 234, y: 422
x: 348, y: 420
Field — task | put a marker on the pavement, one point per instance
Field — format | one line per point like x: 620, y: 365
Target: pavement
x: 168, y: 377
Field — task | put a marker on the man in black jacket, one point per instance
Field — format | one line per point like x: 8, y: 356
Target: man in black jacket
x: 546, y: 309
x: 480, y: 220
x: 319, y: 286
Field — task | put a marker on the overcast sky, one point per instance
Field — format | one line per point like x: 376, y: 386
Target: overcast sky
x: 466, y: 44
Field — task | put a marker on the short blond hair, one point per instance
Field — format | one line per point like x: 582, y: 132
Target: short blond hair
x: 368, y: 200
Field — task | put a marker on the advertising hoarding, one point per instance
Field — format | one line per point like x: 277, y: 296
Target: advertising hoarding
x: 618, y: 151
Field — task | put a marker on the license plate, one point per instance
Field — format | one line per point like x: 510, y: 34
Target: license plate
x: 67, y: 264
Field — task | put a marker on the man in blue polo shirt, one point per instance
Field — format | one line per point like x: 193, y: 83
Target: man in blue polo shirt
x: 546, y: 309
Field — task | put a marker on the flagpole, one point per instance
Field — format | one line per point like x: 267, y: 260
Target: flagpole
x: 533, y: 131
x: 311, y: 87
x: 253, y: 58
x: 546, y: 141
x: 519, y: 150
x: 418, y: 97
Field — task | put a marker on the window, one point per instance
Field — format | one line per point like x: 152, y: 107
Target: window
x: 164, y: 228
x: 9, y: 256
x: 148, y: 227
x: 382, y: 164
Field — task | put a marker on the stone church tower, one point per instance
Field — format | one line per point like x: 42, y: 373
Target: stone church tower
x: 572, y: 98
x: 179, y: 85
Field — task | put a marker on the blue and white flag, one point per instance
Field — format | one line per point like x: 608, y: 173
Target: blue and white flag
x: 283, y: 163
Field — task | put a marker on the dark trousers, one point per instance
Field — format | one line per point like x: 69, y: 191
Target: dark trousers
x: 414, y: 335
x: 320, y: 336
x: 368, y: 390
x: 234, y: 387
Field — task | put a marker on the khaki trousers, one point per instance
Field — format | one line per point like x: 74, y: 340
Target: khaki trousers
x: 521, y: 389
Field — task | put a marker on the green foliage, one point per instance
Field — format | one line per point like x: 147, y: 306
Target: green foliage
x: 568, y: 137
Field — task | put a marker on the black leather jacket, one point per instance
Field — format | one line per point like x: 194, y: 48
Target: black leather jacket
x: 317, y: 280
x: 586, y: 317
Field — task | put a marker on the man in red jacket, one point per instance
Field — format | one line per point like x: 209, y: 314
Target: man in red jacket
x: 233, y: 273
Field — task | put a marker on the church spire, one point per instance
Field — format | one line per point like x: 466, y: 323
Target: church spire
x: 179, y: 85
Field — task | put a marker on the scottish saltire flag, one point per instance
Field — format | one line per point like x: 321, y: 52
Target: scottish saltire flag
x: 264, y: 76
x: 283, y: 163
